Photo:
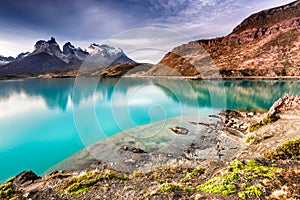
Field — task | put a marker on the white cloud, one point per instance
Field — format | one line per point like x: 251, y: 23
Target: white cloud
x: 147, y: 44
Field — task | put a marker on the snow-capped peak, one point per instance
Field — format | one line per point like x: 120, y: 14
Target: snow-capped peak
x: 70, y: 52
x: 104, y: 50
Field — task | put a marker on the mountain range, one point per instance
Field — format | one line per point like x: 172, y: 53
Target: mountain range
x: 47, y: 57
x: 266, y: 44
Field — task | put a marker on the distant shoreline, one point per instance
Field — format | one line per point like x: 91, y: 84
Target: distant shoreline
x: 221, y: 78
x: 54, y: 76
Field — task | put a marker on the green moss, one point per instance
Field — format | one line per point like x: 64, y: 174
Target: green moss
x: 83, y: 183
x: 122, y: 177
x: 269, y: 119
x: 170, y: 187
x: 220, y: 184
x: 136, y: 174
x: 266, y: 120
x: 82, y: 190
x: 255, y: 167
x: 288, y: 150
x: 254, y: 190
x: 258, y: 138
x: 164, y: 167
x: 237, y: 172
x: 189, y: 189
x: 191, y: 175
x: 7, y: 190
x: 109, y: 174
x: 254, y: 126
x: 242, y: 195
x: 236, y: 166
x: 253, y: 140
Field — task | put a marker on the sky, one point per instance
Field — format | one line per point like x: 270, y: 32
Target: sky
x: 83, y: 22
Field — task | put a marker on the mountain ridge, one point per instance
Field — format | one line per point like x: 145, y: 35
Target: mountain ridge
x: 47, y: 57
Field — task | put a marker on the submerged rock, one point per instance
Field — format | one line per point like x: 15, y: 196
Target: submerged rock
x: 132, y: 149
x: 180, y: 130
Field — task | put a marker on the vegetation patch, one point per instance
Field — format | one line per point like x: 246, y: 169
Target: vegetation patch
x: 253, y: 140
x: 254, y: 126
x: 236, y: 175
x: 170, y: 187
x: 191, y: 175
x: 288, y: 150
x: 83, y: 183
x: 256, y: 139
x: 220, y: 184
x: 250, y: 191
x: 7, y: 189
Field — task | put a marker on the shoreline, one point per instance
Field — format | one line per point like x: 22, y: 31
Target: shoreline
x: 157, y: 144
x: 187, y: 175
x: 192, y: 78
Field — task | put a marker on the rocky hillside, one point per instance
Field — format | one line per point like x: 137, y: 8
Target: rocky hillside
x: 265, y: 44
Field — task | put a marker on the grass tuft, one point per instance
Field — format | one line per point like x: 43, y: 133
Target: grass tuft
x: 254, y: 126
x: 288, y: 150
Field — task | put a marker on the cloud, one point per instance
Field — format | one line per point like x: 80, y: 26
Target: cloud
x: 148, y: 44
x: 97, y: 20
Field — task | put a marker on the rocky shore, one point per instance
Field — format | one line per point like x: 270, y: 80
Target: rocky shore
x: 231, y: 155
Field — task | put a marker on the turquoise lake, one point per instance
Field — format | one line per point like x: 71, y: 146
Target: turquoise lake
x: 44, y: 121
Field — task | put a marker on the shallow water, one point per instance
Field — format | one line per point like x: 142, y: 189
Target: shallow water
x: 44, y: 121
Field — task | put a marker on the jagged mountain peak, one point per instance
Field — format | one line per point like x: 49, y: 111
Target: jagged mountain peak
x: 73, y: 53
x: 52, y: 40
x: 68, y: 48
x: 41, y: 43
x: 51, y: 47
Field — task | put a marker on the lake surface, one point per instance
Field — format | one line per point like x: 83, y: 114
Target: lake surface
x: 44, y: 121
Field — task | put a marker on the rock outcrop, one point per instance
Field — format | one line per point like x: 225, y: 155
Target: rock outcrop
x: 285, y: 103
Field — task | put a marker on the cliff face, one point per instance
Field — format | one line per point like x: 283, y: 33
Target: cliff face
x: 265, y: 44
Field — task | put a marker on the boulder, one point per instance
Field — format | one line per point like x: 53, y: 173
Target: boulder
x: 180, y: 130
x: 25, y: 177
x: 287, y: 102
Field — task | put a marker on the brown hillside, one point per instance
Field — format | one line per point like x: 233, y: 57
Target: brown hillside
x: 265, y: 44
